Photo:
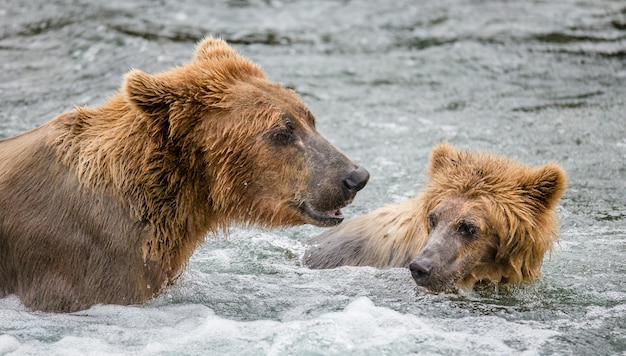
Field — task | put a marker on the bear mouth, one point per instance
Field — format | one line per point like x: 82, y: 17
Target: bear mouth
x: 322, y: 218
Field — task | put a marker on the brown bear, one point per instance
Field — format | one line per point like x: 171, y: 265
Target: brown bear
x: 106, y: 204
x: 480, y: 217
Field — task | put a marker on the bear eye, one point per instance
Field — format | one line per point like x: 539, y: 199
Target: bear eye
x: 467, y: 229
x: 432, y: 221
x: 284, y: 135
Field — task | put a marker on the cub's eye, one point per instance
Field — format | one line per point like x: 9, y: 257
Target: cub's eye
x: 432, y: 221
x: 467, y: 229
x: 284, y: 135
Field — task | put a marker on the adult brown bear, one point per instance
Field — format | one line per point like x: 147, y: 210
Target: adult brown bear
x: 106, y: 204
x: 480, y: 217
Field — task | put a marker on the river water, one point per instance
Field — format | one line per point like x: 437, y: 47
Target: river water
x: 536, y: 80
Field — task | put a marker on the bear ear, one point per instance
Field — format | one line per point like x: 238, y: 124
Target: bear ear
x: 149, y: 93
x: 545, y: 186
x: 442, y: 155
x: 211, y: 48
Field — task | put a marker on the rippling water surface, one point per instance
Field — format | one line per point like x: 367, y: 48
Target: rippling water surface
x: 536, y: 80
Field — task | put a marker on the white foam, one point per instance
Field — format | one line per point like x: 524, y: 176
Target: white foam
x: 8, y: 344
x: 360, y: 327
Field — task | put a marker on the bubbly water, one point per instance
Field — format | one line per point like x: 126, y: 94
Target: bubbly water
x: 536, y: 80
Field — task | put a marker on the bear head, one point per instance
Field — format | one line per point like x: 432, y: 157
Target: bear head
x: 249, y: 145
x: 487, y: 218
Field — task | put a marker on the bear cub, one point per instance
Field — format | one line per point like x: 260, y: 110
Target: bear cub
x: 480, y: 217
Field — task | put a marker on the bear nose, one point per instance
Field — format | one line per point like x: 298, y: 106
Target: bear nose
x: 356, y: 180
x: 420, y: 268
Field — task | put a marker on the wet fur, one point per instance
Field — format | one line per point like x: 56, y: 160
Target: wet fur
x: 512, y: 204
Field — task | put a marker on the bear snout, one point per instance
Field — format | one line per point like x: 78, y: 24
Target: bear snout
x: 420, y: 269
x: 355, y: 182
x: 333, y: 193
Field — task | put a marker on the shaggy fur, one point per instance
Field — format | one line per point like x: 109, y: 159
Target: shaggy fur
x: 107, y: 204
x: 480, y: 217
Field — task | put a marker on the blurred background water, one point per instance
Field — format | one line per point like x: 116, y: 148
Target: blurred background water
x: 536, y: 80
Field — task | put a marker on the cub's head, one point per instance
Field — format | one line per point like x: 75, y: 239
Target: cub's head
x: 487, y: 217
x: 249, y: 145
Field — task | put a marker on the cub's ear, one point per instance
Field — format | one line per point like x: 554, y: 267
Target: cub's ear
x: 443, y: 155
x: 544, y: 186
x: 148, y: 92
x: 212, y: 48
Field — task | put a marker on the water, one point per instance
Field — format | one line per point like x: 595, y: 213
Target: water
x: 536, y: 80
